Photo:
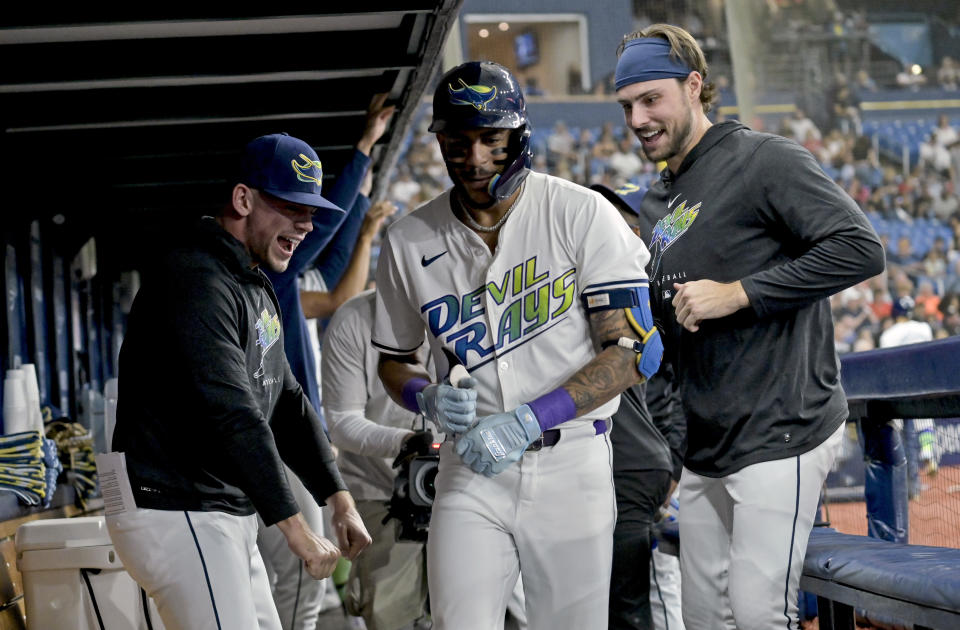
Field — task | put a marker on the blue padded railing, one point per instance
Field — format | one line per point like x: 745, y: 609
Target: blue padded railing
x: 916, y: 381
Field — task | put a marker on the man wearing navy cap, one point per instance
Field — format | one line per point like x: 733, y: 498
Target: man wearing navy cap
x: 209, y: 410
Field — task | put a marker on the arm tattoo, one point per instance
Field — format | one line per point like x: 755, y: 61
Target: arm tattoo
x: 611, y: 371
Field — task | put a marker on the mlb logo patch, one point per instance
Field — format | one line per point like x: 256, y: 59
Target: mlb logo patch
x: 598, y: 299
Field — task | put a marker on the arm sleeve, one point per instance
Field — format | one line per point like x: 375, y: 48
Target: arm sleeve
x: 346, y: 187
x: 209, y: 348
x: 345, y: 377
x: 397, y: 328
x: 302, y: 443
x: 335, y: 257
x: 667, y: 413
x: 677, y: 437
x: 838, y: 246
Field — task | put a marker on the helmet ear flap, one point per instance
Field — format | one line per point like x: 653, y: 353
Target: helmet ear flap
x: 516, y: 141
x: 520, y: 159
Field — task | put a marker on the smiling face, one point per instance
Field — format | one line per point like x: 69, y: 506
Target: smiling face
x: 274, y: 227
x: 661, y: 114
x: 474, y: 157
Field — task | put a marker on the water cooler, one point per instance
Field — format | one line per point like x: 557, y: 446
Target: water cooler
x: 73, y: 579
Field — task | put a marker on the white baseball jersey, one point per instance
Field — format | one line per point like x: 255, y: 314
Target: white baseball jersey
x: 435, y: 273
x: 904, y: 333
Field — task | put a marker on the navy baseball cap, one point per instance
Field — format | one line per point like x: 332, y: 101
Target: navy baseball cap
x: 285, y: 167
x: 903, y: 307
x: 627, y: 197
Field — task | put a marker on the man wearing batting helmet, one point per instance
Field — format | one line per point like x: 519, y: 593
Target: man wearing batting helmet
x: 537, y: 288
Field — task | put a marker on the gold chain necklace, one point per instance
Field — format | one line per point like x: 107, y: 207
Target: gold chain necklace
x: 496, y: 226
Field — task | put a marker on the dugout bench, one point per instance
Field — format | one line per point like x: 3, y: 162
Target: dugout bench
x: 912, y: 583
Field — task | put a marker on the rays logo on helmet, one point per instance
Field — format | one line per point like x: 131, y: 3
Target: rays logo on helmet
x: 307, y: 166
x: 476, y: 95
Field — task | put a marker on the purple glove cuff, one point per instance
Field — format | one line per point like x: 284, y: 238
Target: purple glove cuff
x: 409, y: 393
x: 553, y: 408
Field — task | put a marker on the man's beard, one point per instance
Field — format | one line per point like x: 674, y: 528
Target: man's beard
x: 677, y: 140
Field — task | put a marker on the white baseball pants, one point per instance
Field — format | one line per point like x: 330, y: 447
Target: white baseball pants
x: 298, y: 597
x: 743, y: 538
x: 202, y: 569
x: 550, y: 515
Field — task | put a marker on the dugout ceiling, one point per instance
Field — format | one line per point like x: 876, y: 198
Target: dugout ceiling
x: 121, y: 119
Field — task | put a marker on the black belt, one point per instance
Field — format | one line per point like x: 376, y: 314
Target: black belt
x: 550, y: 437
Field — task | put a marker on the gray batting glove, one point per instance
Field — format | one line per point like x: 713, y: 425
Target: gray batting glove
x: 452, y: 409
x: 499, y: 440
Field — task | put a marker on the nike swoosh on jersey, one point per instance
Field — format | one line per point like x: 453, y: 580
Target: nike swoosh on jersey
x: 428, y: 261
x: 673, y: 201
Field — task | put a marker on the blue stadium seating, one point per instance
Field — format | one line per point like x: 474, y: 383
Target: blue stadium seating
x: 894, y: 135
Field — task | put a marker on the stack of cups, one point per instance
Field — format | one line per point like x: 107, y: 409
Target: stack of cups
x: 33, y: 397
x: 16, y: 412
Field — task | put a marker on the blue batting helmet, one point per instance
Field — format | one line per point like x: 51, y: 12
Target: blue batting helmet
x: 485, y: 94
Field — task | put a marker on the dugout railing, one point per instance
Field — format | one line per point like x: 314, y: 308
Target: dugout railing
x: 882, y: 573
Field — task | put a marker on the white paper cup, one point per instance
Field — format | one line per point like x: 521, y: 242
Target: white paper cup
x: 16, y: 418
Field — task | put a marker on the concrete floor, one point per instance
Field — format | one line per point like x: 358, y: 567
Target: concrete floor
x: 337, y: 619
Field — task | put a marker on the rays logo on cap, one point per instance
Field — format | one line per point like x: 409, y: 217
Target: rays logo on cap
x: 476, y: 95
x: 626, y: 189
x: 307, y: 166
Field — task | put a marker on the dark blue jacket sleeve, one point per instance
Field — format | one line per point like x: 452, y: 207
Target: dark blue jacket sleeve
x: 333, y: 260
x: 347, y: 186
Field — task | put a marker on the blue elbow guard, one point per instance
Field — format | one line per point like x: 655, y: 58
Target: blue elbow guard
x: 650, y: 351
x: 635, y: 301
x: 648, y: 360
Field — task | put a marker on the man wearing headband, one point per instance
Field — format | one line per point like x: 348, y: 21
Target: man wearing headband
x: 754, y: 239
x: 536, y: 288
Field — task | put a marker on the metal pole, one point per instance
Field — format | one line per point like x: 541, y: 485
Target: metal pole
x: 743, y: 55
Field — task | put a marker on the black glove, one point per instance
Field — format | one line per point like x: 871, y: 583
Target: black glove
x: 419, y: 443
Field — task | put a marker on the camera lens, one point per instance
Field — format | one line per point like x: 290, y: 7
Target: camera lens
x: 429, y: 477
x: 423, y: 474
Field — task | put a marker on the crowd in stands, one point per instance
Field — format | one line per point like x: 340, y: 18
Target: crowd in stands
x: 917, y: 214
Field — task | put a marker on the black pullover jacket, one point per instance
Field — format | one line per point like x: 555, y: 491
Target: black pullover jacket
x: 762, y: 383
x: 208, y: 405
